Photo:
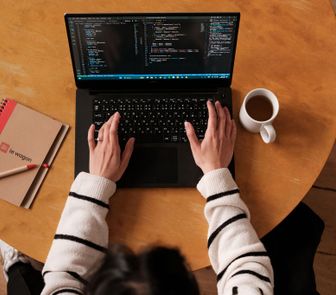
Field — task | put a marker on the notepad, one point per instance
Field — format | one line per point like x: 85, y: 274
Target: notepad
x: 26, y: 137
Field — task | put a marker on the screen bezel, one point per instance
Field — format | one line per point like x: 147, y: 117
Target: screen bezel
x: 112, y: 84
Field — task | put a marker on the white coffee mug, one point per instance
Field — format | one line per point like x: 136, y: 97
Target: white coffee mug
x: 265, y: 128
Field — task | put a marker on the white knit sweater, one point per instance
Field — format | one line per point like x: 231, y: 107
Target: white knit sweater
x: 236, y: 253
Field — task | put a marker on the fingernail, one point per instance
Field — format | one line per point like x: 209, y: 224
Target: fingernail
x: 186, y: 124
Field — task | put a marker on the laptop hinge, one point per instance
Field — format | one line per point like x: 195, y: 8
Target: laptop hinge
x: 161, y: 91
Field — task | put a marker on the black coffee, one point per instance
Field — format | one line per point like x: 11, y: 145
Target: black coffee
x: 259, y: 108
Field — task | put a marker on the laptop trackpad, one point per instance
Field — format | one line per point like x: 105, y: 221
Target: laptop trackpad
x: 152, y: 165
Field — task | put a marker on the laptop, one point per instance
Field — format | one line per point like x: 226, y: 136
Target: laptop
x: 158, y: 70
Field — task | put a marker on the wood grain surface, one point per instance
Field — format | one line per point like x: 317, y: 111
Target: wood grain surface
x: 333, y: 3
x: 286, y: 46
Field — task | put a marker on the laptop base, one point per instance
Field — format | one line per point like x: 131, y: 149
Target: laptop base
x: 151, y: 165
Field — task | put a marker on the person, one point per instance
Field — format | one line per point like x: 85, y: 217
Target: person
x: 79, y: 261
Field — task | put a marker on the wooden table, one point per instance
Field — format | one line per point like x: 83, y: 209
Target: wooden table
x: 286, y: 46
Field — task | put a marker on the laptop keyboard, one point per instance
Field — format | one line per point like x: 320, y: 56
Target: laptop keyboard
x: 153, y: 120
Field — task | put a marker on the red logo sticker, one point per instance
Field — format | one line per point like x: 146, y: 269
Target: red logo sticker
x: 4, y: 147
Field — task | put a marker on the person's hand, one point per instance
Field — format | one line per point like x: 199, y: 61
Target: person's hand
x: 105, y: 158
x: 216, y: 149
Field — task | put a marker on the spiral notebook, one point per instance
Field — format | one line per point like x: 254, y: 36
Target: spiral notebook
x: 26, y: 137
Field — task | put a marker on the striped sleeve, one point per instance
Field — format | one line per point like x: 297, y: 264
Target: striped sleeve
x: 236, y: 254
x: 81, y: 237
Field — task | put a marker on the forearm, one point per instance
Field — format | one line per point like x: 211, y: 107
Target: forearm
x: 81, y: 236
x: 235, y: 251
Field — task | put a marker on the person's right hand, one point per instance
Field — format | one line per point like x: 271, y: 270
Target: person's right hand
x: 216, y: 149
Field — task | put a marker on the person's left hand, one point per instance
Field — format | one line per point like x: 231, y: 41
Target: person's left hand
x: 105, y: 158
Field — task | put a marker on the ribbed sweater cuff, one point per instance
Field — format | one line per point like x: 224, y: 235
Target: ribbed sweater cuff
x: 93, y: 186
x: 216, y: 181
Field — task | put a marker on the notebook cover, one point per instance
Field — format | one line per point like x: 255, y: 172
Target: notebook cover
x: 26, y: 136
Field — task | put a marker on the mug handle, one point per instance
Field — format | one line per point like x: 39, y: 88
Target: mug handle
x: 267, y: 133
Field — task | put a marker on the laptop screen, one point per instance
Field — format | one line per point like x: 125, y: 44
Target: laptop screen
x: 152, y: 46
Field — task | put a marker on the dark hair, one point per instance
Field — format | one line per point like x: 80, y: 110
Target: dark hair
x: 157, y: 270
